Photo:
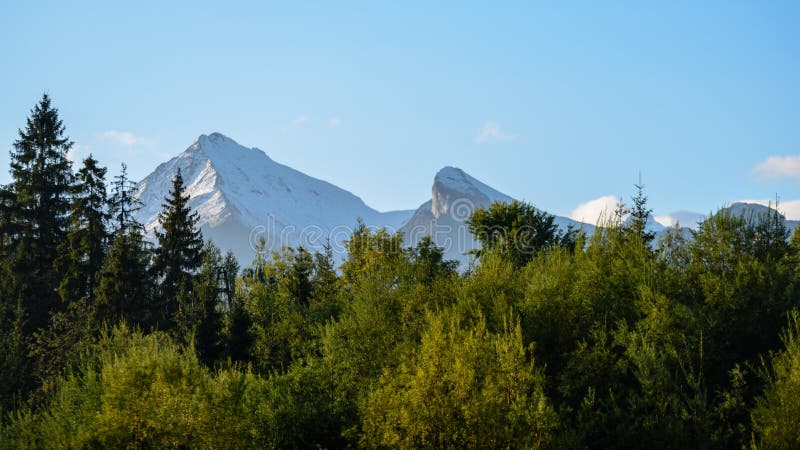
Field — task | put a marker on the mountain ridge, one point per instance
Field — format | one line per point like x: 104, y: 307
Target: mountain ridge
x: 242, y: 195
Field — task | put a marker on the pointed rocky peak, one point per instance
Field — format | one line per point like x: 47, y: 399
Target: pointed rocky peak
x: 214, y: 139
x: 218, y: 147
x: 454, y: 187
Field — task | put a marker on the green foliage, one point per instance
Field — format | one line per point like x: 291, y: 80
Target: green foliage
x: 463, y: 388
x: 209, y: 327
x: 41, y: 177
x: 740, y: 273
x: 178, y: 255
x: 775, y: 417
x: 552, y: 340
x: 287, y: 299
x: 140, y: 391
x: 81, y: 254
x: 518, y: 230
x: 125, y: 287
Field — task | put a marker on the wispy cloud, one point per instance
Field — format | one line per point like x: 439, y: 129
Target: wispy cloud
x: 335, y: 121
x: 301, y: 120
x: 595, y: 211
x: 776, y: 167
x: 126, y: 138
x: 492, y: 132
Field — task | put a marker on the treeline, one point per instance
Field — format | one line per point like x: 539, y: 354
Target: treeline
x: 551, y: 340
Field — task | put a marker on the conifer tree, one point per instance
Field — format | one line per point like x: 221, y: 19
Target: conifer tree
x: 7, y: 228
x: 179, y: 253
x: 41, y: 177
x: 124, y: 289
x: 640, y: 213
x: 123, y: 203
x: 208, y: 335
x: 81, y: 255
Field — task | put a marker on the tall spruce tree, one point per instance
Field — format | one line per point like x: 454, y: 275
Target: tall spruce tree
x: 123, y: 203
x: 208, y: 334
x: 41, y: 178
x: 640, y: 214
x: 124, y: 289
x: 81, y: 255
x: 80, y: 258
x: 179, y: 253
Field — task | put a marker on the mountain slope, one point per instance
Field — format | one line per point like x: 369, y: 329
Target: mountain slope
x: 242, y: 195
x: 748, y: 210
x: 454, y: 195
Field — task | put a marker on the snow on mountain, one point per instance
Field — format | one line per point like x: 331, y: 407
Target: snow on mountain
x: 454, y: 196
x: 686, y: 219
x: 754, y: 209
x: 692, y: 220
x: 242, y: 195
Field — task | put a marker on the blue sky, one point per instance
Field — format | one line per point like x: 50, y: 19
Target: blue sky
x: 554, y: 104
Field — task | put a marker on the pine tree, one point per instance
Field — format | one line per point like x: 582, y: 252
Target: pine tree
x: 640, y: 214
x: 123, y: 203
x: 179, y: 253
x: 81, y: 255
x: 124, y: 288
x: 41, y: 177
x: 208, y: 335
x: 80, y: 259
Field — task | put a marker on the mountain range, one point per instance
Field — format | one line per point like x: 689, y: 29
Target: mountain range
x: 246, y: 201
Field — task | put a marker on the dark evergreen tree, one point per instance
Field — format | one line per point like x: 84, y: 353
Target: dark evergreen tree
x: 124, y: 289
x: 179, y: 252
x: 80, y: 259
x: 231, y: 266
x: 7, y: 227
x: 239, y: 338
x: 639, y: 215
x: 208, y: 334
x: 41, y: 178
x: 81, y: 255
x: 13, y: 355
x: 123, y: 203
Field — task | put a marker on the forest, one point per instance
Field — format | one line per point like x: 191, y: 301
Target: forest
x: 551, y: 339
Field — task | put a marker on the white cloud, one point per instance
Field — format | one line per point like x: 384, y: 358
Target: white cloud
x: 491, y: 131
x: 666, y: 220
x: 687, y: 219
x: 301, y: 120
x: 126, y: 138
x: 778, y: 167
x: 790, y: 209
x: 335, y: 121
x: 596, y: 211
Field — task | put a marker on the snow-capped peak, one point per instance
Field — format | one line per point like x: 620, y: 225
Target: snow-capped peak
x: 452, y: 184
x: 457, y: 180
x: 238, y: 191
